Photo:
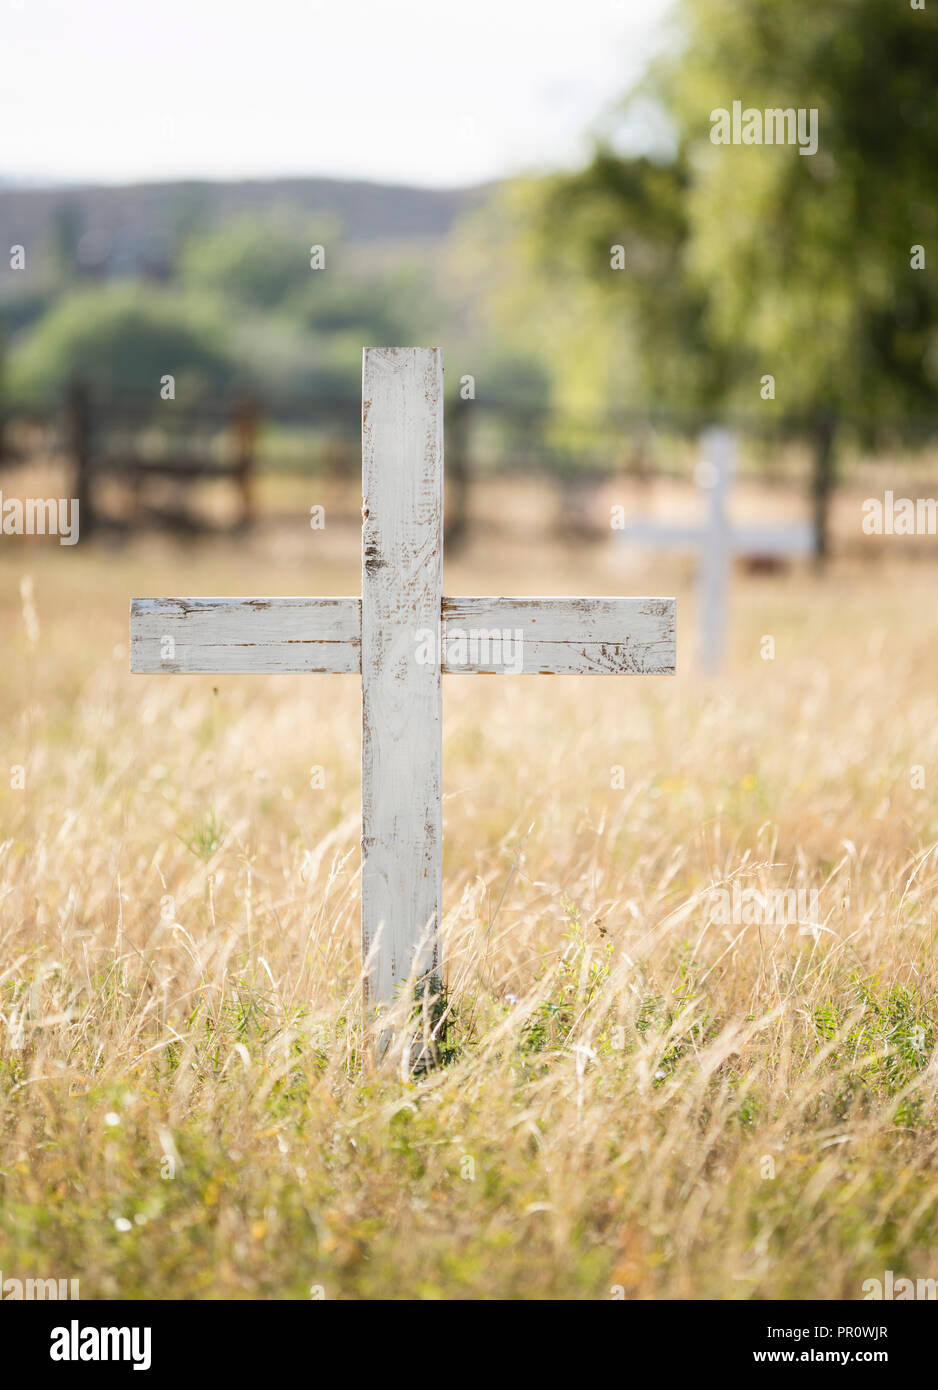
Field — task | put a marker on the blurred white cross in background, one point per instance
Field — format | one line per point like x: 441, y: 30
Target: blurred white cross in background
x: 718, y: 541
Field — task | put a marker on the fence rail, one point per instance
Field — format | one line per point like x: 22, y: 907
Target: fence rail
x: 137, y: 440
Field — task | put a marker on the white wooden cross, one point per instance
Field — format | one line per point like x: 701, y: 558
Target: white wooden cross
x: 402, y: 635
x: 718, y: 540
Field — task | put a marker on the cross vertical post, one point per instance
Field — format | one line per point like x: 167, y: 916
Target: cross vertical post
x: 402, y: 715
x: 717, y: 476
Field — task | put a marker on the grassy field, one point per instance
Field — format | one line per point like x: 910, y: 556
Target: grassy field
x: 640, y: 1100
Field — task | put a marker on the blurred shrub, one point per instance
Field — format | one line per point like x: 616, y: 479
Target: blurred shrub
x: 122, y: 337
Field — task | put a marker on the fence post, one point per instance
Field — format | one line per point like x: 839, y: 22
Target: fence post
x: 246, y: 418
x: 823, y: 485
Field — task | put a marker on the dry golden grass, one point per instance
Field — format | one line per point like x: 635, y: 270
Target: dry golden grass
x: 637, y: 1097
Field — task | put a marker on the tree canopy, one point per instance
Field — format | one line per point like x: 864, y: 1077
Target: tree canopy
x: 749, y: 259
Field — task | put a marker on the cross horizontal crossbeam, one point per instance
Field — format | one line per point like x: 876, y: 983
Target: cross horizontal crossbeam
x: 785, y: 538
x: 615, y: 636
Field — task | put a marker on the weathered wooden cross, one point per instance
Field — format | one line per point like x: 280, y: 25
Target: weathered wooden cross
x: 401, y: 636
x: 718, y: 541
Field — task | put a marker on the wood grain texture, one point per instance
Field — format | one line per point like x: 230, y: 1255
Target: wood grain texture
x: 559, y: 636
x: 402, y: 576
x: 228, y: 635
x: 258, y: 635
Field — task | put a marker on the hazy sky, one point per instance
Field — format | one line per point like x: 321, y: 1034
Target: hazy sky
x: 427, y: 91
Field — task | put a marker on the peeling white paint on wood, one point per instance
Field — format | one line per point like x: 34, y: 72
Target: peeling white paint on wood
x: 231, y: 635
x: 263, y: 635
x: 402, y: 708
x: 380, y: 635
x: 566, y: 635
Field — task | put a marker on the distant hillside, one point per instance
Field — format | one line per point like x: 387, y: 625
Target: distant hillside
x: 156, y: 214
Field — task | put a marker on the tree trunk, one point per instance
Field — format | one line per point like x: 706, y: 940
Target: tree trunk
x: 823, y: 485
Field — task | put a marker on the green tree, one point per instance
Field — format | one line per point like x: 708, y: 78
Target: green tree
x: 807, y: 259
x: 624, y: 223
x: 745, y: 260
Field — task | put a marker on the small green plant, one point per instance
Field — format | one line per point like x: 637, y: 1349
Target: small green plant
x: 434, y: 1015
x: 886, y: 1046
x: 581, y: 974
x: 206, y: 838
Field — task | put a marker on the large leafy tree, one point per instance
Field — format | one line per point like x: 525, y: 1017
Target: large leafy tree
x: 624, y: 224
x: 807, y: 260
x: 747, y: 260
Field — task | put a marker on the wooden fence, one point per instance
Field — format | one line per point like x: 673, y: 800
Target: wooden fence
x: 136, y: 443
x: 150, y: 448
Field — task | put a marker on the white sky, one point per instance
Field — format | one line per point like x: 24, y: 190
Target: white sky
x: 433, y: 92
